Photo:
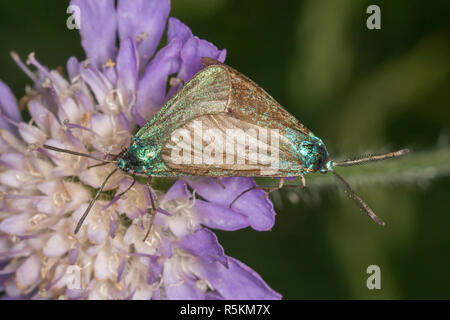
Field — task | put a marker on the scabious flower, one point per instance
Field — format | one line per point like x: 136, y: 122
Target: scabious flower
x: 97, y: 110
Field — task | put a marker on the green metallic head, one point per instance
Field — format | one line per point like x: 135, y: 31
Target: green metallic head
x: 138, y: 158
x: 314, y: 156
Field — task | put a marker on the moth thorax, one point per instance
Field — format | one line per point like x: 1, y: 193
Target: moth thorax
x: 137, y: 158
x: 315, y: 155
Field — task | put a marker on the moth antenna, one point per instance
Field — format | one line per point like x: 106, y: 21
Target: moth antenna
x: 153, y: 209
x: 152, y: 219
x: 114, y: 159
x: 97, y: 165
x: 377, y: 157
x: 85, y: 214
x: 76, y: 153
x: 358, y: 200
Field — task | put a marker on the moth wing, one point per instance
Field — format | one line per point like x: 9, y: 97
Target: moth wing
x: 248, y: 99
x: 225, y: 99
x: 224, y: 145
x: 206, y: 93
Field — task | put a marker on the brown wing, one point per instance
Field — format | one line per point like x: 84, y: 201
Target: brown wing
x: 223, y: 145
x: 249, y: 100
x: 206, y: 93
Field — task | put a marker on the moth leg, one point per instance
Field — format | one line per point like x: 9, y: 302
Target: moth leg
x: 303, y: 181
x: 152, y: 219
x: 303, y: 185
x: 152, y: 210
x: 129, y: 187
x: 270, y: 190
x: 242, y: 193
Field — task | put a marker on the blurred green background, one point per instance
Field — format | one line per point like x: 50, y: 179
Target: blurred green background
x: 359, y: 90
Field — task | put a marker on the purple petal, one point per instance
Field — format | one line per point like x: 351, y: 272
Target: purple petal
x: 73, y: 254
x: 178, y: 286
x: 102, y: 266
x: 16, y: 224
x: 213, y: 295
x: 203, y: 243
x: 84, y: 101
x: 4, y: 278
x: 177, y: 191
x: 161, y: 210
x: 154, y: 270
x: 70, y: 110
x: 152, y: 85
x: 219, y: 217
x: 122, y: 267
x: 97, y: 82
x: 97, y: 232
x: 98, y: 29
x: 127, y: 205
x: 56, y: 245
x: 238, y: 282
x: 8, y: 103
x: 253, y: 204
x: 143, y: 16
x: 73, y: 67
x: 29, y: 272
x: 127, y: 66
x: 123, y: 121
x: 178, y: 30
x: 112, y: 227
x: 110, y: 73
x: 41, y: 115
x: 13, y: 161
x: 8, y: 106
x: 193, y: 50
x: 137, y: 118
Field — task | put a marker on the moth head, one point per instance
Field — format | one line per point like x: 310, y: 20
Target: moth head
x: 137, y: 158
x: 129, y: 162
x: 315, y: 156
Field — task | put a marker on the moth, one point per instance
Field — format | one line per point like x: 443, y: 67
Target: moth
x: 222, y: 124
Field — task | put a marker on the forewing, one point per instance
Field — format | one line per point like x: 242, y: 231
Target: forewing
x: 249, y: 100
x: 206, y: 93
x: 224, y: 145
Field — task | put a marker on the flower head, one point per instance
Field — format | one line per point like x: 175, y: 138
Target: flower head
x: 97, y: 110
